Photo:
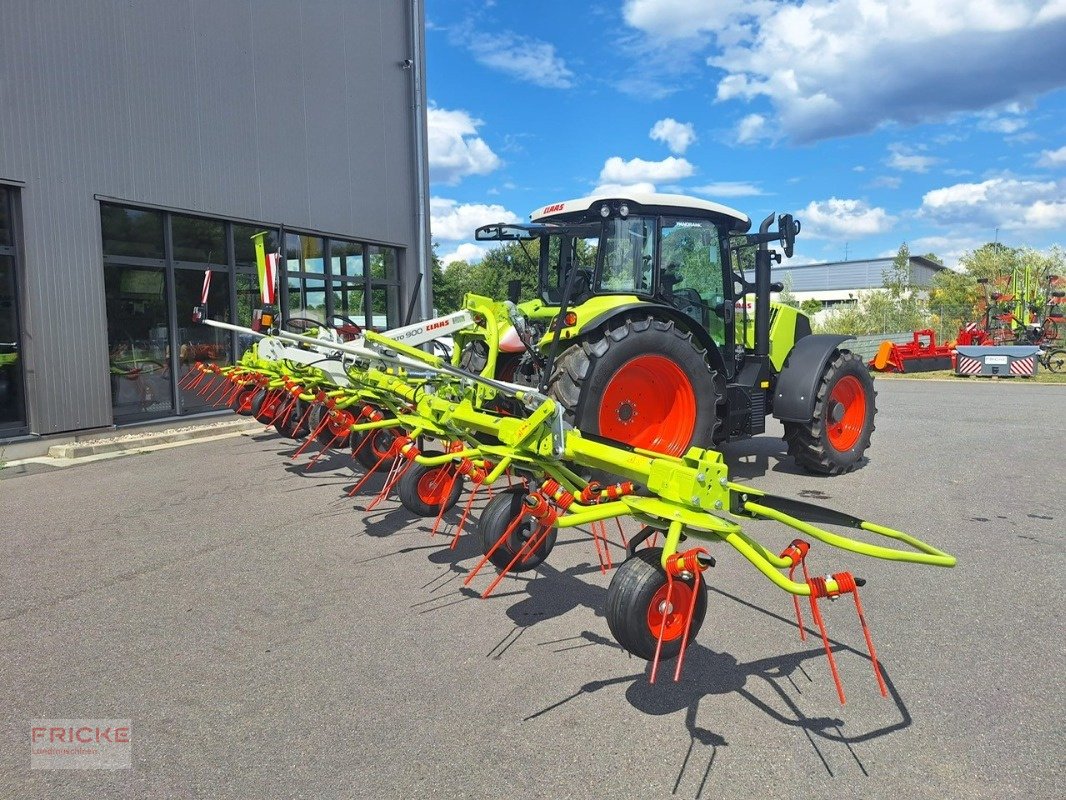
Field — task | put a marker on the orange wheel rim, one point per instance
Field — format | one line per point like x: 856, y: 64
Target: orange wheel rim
x: 649, y: 403
x: 675, y: 612
x: 846, y: 413
x: 432, y: 486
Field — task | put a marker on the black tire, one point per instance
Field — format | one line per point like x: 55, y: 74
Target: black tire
x: 629, y: 599
x: 823, y: 446
x: 499, y: 514
x: 582, y: 374
x: 420, y: 483
x: 292, y: 423
x: 370, y: 454
x: 245, y: 398
x: 258, y: 407
x: 1056, y: 361
x: 326, y: 435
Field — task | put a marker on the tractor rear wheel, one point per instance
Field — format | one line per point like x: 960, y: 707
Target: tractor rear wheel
x: 644, y: 382
x: 425, y: 490
x: 637, y: 610
x: 838, y: 435
x: 498, y: 517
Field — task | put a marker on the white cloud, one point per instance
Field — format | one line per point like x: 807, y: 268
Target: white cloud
x: 839, y: 67
x: 751, y: 129
x: 843, y: 219
x: 522, y: 57
x: 886, y: 182
x: 948, y: 249
x: 903, y: 159
x: 675, y: 135
x: 1053, y: 158
x: 1004, y: 125
x: 455, y: 150
x: 452, y: 221
x: 728, y: 189
x: 637, y: 170
x: 467, y: 251
x: 624, y: 189
x: 998, y: 203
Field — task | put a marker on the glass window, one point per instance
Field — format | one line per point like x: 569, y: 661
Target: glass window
x: 693, y: 280
x: 247, y: 302
x: 384, y: 308
x: 199, y: 240
x: 307, y: 298
x: 12, y: 412
x: 244, y: 244
x: 201, y: 342
x: 131, y: 232
x: 382, y: 263
x: 138, y: 341
x: 7, y: 235
x: 346, y: 258
x: 628, y: 250
x: 348, y: 300
x: 303, y: 253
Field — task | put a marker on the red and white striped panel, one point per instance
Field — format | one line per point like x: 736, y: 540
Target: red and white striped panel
x: 1023, y: 366
x: 968, y: 366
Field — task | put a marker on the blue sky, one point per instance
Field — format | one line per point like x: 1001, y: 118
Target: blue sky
x: 874, y: 122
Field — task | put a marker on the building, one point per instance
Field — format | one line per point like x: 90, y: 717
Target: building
x: 143, y: 143
x: 841, y: 282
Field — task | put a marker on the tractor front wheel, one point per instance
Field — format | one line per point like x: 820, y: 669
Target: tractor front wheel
x: 425, y: 490
x: 498, y: 518
x: 838, y: 435
x: 644, y: 382
x: 641, y: 606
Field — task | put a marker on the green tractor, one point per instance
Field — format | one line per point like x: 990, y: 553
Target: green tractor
x: 646, y: 332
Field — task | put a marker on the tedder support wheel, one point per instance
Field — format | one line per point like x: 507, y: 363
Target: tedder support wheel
x: 499, y: 514
x: 835, y: 439
x: 644, y: 382
x: 263, y: 409
x: 1056, y: 361
x: 370, y: 454
x: 423, y: 490
x: 637, y: 608
x: 327, y: 435
x: 245, y: 398
x: 292, y: 424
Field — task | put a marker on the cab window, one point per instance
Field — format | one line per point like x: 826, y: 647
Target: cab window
x: 692, y: 278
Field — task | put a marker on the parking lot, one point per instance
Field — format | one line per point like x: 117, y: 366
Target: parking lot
x: 267, y: 638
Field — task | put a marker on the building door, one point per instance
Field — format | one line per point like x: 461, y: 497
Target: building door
x: 12, y: 388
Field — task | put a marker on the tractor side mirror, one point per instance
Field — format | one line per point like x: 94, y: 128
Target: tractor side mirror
x: 788, y: 228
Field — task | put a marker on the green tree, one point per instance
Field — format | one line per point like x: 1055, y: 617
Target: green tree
x: 787, y: 296
x: 810, y: 307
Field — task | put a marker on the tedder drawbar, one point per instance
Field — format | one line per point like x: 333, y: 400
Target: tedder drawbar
x: 385, y: 398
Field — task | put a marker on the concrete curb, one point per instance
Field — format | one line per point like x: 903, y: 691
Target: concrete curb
x: 138, y: 441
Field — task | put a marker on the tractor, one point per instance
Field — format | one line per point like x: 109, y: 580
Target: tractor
x: 646, y: 333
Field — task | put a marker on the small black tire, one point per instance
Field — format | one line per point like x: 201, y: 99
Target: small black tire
x: 500, y: 512
x: 292, y: 423
x: 245, y: 398
x: 1056, y: 361
x: 259, y: 407
x: 638, y: 582
x: 326, y: 436
x: 836, y: 438
x: 370, y: 454
x: 422, y: 488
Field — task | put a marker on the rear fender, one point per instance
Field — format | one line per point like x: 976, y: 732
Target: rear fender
x: 797, y: 383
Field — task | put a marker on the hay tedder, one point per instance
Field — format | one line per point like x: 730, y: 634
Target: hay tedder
x: 436, y: 429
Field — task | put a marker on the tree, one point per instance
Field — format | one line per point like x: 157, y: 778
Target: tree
x: 810, y: 306
x: 787, y: 296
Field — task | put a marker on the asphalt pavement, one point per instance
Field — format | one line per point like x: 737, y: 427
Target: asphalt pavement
x: 268, y: 638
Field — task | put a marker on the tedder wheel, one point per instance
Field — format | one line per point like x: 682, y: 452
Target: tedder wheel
x: 262, y: 409
x: 424, y: 490
x: 327, y: 434
x: 245, y: 397
x: 836, y: 438
x: 293, y: 423
x: 645, y: 382
x: 1056, y: 361
x: 636, y: 607
x: 374, y: 450
x: 500, y: 512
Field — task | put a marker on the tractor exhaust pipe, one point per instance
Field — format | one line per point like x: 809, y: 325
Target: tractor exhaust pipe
x: 762, y: 291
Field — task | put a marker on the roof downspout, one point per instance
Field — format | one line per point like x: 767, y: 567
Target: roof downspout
x: 418, y: 108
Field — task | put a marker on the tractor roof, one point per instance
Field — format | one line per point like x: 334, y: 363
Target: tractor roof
x: 645, y: 202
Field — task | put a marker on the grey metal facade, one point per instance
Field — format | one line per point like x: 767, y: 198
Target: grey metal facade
x: 284, y: 112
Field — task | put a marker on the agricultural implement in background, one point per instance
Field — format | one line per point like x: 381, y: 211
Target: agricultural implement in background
x: 921, y: 354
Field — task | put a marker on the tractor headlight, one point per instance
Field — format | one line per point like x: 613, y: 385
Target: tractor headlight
x: 605, y: 211
x: 623, y: 210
